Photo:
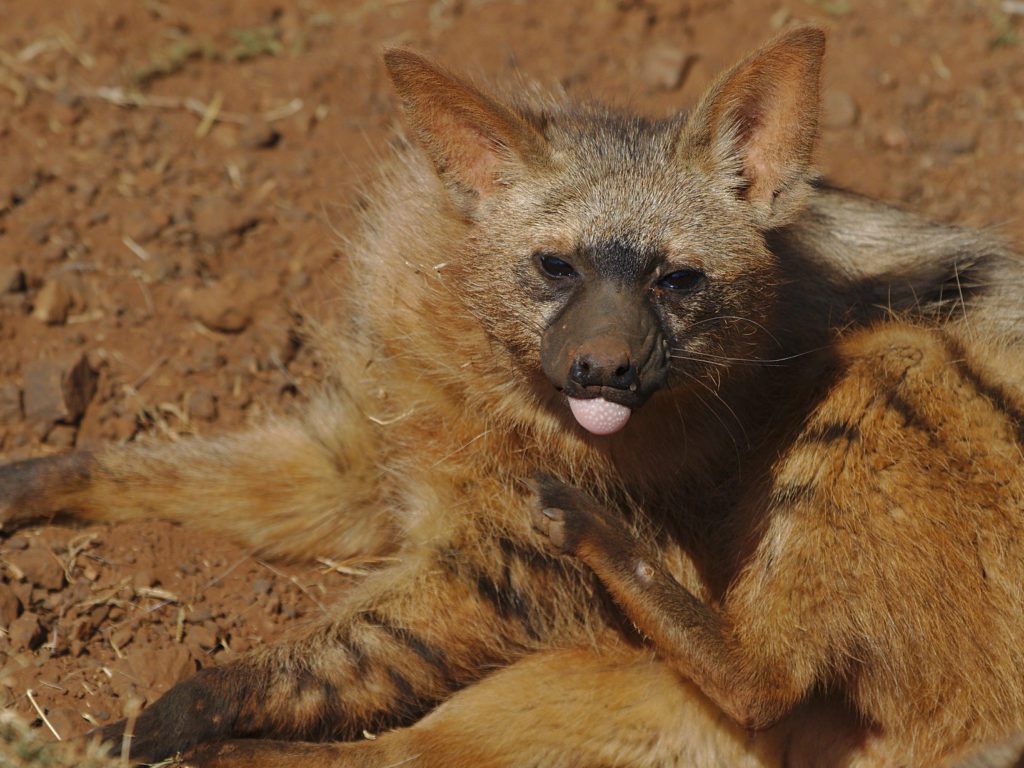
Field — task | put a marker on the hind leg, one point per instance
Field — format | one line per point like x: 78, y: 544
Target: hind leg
x: 572, y: 708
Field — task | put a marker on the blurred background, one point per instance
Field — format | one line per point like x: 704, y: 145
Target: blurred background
x: 176, y: 179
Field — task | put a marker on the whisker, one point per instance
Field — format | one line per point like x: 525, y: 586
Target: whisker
x: 718, y: 397
x: 754, y: 323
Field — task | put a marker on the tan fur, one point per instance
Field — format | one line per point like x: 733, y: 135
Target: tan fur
x: 827, y: 557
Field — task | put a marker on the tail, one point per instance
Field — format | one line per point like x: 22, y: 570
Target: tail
x: 869, y: 259
x: 291, y: 489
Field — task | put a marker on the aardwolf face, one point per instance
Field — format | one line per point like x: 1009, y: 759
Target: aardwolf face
x: 618, y: 255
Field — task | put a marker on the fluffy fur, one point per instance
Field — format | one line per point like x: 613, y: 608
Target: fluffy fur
x: 829, y: 479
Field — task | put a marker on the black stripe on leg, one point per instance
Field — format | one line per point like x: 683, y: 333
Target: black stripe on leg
x: 830, y: 432
x: 991, y: 391
x: 506, y: 600
x: 433, y: 657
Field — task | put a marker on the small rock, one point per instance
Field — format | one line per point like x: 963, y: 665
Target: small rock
x: 26, y: 632
x: 895, y: 138
x: 40, y: 229
x: 200, y: 614
x: 220, y: 308
x: 961, y: 143
x: 145, y: 224
x: 53, y: 303
x: 914, y: 96
x: 10, y: 605
x: 10, y: 403
x: 275, y: 344
x: 208, y: 358
x: 122, y: 638
x: 216, y: 219
x: 839, y: 110
x: 262, y: 586
x: 40, y: 566
x: 144, y: 578
x: 59, y: 391
x: 258, y: 134
x: 62, y: 437
x: 67, y: 722
x: 665, y: 66
x: 12, y: 280
x: 202, y: 404
x: 204, y: 635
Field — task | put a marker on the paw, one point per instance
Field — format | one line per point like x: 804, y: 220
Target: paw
x: 560, y: 527
x: 566, y: 516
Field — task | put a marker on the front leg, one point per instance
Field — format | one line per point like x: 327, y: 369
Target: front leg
x: 688, y: 634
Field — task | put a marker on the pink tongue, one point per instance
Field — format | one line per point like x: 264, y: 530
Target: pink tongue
x: 598, y: 415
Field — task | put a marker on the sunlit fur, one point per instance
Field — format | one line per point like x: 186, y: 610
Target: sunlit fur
x: 435, y: 416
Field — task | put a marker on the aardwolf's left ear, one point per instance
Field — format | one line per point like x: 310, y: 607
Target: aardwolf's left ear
x: 758, y: 123
x: 475, y: 143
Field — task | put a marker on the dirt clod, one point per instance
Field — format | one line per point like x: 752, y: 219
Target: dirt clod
x: 10, y: 402
x: 53, y: 303
x: 59, y: 390
x: 40, y: 567
x: 26, y: 632
x: 12, y: 279
x: 10, y: 606
x: 839, y: 110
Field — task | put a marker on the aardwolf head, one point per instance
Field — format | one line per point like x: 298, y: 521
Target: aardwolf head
x: 621, y: 256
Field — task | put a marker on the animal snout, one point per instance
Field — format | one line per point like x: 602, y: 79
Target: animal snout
x: 604, y: 365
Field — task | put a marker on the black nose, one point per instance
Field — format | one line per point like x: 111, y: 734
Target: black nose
x: 604, y: 368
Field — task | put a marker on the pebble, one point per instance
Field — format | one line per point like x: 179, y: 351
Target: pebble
x: 59, y: 391
x: 220, y: 308
x: 12, y: 280
x: 66, y: 721
x: 895, y: 138
x: 10, y: 403
x: 202, y: 404
x: 53, y: 303
x: 204, y: 635
x: 839, y: 110
x: 10, y: 605
x: 62, y: 437
x: 664, y: 67
x: 26, y: 632
x: 40, y: 566
x: 216, y: 219
x: 144, y: 225
x: 914, y: 96
x: 200, y: 614
x: 961, y: 143
x: 258, y: 134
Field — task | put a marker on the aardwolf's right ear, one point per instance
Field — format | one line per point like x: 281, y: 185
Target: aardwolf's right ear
x: 475, y: 143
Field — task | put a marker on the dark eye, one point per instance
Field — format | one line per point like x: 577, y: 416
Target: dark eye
x: 552, y: 266
x: 682, y: 280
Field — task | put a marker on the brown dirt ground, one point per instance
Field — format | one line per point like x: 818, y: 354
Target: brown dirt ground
x: 180, y: 244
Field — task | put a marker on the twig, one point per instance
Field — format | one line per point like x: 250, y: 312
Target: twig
x: 210, y: 115
x: 296, y: 582
x: 123, y: 98
x: 135, y: 248
x: 148, y: 373
x: 132, y: 712
x: 39, y: 711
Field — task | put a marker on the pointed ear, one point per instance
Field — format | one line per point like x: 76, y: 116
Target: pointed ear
x: 475, y: 143
x: 758, y: 124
